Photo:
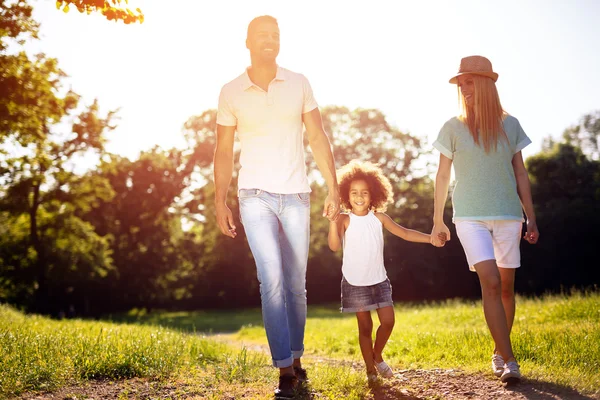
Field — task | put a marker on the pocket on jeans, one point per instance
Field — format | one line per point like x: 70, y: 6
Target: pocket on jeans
x: 249, y: 193
x: 303, y: 197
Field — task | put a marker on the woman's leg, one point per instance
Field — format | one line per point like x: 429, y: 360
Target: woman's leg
x: 489, y: 278
x: 386, y: 320
x: 507, y: 278
x: 365, y: 339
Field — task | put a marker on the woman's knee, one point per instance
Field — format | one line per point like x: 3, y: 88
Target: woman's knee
x: 508, y: 293
x: 491, y: 284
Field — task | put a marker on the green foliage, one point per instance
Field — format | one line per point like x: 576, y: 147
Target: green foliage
x: 566, y: 195
x: 552, y: 333
x: 16, y: 23
x: 155, y: 258
x: 36, y: 173
x: 108, y: 8
x: 38, y: 353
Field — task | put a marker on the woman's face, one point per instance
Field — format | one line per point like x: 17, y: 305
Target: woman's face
x: 467, y: 88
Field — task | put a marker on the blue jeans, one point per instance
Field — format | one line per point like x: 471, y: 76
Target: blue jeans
x: 277, y: 227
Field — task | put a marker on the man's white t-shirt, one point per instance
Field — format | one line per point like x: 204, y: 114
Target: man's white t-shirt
x: 270, y: 129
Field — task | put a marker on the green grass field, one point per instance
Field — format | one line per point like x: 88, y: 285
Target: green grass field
x: 556, y: 340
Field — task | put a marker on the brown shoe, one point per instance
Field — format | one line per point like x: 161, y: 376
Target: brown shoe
x: 288, y: 385
x: 301, y: 374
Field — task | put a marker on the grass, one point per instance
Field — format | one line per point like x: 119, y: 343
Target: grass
x: 40, y: 354
x: 555, y: 339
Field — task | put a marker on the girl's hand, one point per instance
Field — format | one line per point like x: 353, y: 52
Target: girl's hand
x: 443, y: 238
x: 440, y: 234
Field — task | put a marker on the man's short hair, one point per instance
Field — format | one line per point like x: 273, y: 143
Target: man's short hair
x: 258, y: 20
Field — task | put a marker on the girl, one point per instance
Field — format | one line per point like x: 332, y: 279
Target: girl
x: 365, y: 192
x: 492, y: 190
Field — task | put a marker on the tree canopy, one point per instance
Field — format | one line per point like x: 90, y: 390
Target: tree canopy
x: 112, y: 10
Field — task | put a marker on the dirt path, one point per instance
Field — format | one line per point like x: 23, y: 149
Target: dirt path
x: 406, y: 385
x: 443, y: 384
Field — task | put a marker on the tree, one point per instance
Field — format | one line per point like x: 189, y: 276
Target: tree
x: 586, y: 135
x: 40, y: 192
x: 566, y: 193
x: 108, y: 8
x: 39, y: 184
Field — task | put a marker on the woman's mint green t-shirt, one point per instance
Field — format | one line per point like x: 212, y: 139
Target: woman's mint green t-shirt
x: 486, y: 188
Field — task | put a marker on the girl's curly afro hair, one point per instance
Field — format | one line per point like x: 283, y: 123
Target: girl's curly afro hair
x: 379, y: 185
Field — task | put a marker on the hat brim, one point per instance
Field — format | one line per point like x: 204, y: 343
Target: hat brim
x: 491, y: 75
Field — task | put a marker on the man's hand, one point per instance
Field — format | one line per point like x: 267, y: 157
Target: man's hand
x: 331, y: 208
x: 225, y: 220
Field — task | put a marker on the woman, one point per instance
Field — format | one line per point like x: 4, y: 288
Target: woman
x: 492, y: 190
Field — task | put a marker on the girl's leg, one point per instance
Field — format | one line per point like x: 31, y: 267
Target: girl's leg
x: 365, y: 339
x: 489, y: 278
x: 507, y: 278
x: 386, y: 320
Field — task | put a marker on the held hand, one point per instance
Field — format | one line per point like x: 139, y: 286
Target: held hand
x: 331, y: 208
x: 225, y: 220
x: 532, y: 235
x: 440, y: 234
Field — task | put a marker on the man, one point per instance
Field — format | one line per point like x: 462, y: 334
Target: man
x: 268, y: 105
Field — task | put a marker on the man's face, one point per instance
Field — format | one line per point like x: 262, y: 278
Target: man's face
x: 263, y: 41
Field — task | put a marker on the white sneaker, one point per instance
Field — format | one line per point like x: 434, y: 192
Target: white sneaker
x: 511, y: 373
x: 384, y: 369
x: 497, y: 364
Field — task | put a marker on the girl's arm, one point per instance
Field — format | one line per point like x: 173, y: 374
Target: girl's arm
x: 524, y: 191
x: 336, y: 232
x: 442, y: 182
x: 402, y: 232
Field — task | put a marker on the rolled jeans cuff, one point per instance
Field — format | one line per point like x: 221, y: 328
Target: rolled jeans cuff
x: 298, y: 353
x: 288, y: 362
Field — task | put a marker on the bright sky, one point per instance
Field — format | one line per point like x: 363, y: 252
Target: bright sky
x: 396, y: 56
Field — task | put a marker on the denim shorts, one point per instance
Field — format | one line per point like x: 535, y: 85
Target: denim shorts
x: 366, y: 298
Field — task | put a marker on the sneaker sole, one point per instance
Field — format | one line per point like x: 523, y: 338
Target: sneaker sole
x: 511, y: 380
x: 498, y: 373
x: 283, y: 396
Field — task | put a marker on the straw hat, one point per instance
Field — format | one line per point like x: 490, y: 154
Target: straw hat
x: 476, y: 65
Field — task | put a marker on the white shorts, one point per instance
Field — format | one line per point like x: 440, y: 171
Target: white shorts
x: 491, y: 240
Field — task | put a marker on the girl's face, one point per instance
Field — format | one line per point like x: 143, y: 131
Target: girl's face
x: 360, y: 197
x: 467, y: 88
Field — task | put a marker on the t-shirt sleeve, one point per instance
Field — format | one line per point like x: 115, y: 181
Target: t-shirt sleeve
x: 309, y: 103
x: 225, y: 115
x: 444, y: 142
x: 522, y: 138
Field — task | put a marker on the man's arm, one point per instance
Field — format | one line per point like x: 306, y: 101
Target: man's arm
x: 223, y: 170
x: 321, y: 148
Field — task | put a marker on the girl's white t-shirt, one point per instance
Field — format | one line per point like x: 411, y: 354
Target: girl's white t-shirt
x: 362, y: 261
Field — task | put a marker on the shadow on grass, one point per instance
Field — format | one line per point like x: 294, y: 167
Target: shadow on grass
x: 539, y: 390
x: 212, y: 321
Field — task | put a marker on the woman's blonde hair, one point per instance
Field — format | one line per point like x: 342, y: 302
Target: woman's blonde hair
x: 485, y: 118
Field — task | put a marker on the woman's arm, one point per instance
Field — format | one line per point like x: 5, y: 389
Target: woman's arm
x: 442, y: 182
x: 524, y: 191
